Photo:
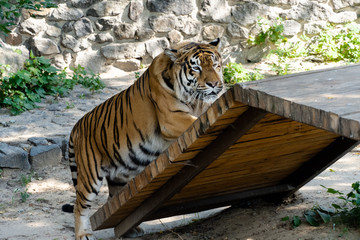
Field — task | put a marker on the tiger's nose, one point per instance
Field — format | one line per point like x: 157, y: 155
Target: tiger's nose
x: 212, y: 84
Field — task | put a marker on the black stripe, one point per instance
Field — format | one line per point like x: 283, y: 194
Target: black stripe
x: 148, y: 152
x: 73, y: 168
x: 167, y: 80
x: 137, y: 161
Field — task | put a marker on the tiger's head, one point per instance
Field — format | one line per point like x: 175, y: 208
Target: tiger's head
x: 195, y: 72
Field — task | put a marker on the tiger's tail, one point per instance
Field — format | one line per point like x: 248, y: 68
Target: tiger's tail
x: 73, y: 167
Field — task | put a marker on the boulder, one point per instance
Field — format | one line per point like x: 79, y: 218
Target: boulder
x: 124, y: 31
x: 211, y: 32
x: 135, y: 10
x: 83, y: 27
x: 32, y: 26
x: 123, y: 50
x: 45, y: 155
x: 156, y: 46
x: 64, y: 13
x: 13, y: 157
x: 162, y: 23
x: 178, y: 7
x: 215, y: 11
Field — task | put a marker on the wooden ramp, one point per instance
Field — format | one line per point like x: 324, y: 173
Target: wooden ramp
x: 265, y: 138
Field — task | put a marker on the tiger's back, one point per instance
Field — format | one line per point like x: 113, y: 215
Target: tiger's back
x: 121, y: 136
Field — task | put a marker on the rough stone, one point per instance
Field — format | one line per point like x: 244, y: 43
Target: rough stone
x: 316, y: 27
x: 61, y: 142
x: 13, y: 157
x: 105, y: 23
x: 127, y: 65
x: 210, y: 11
x: 144, y: 34
x: 256, y: 53
x: 237, y: 31
x: 32, y: 26
x: 83, y: 27
x: 13, y: 39
x: 123, y: 50
x: 83, y: 3
x: 338, y: 4
x: 247, y: 13
x: 42, y: 46
x: 175, y: 36
x: 103, y: 37
x: 162, y: 23
x: 343, y: 17
x: 211, y: 32
x: 53, y: 31
x: 291, y: 28
x: 107, y: 8
x: 74, y: 44
x: 42, y: 156
x: 38, y: 141
x: 188, y: 26
x: 15, y: 60
x: 124, y: 31
x: 309, y: 11
x: 156, y: 46
x: 92, y: 60
x: 178, y: 7
x: 59, y: 61
x: 63, y: 13
x: 68, y: 27
x: 135, y: 10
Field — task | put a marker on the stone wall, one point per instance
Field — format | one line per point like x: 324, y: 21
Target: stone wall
x: 127, y: 33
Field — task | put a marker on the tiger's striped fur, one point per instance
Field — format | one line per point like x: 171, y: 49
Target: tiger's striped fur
x: 118, y: 138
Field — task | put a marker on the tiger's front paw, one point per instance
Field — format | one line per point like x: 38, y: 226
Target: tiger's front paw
x: 134, y: 232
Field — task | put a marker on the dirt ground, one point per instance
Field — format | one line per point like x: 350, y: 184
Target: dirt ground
x: 30, y: 208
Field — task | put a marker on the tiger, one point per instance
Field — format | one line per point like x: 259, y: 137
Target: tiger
x: 120, y: 137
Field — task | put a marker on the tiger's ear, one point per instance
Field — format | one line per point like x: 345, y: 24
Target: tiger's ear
x: 215, y: 43
x: 171, y: 53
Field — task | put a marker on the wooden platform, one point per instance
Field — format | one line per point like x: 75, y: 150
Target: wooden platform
x: 264, y: 138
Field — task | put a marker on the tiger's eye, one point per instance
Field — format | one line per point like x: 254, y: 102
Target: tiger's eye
x: 196, y: 68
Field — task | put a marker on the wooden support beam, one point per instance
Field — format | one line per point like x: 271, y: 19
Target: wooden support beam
x: 319, y: 163
x: 229, y: 136
x: 218, y: 201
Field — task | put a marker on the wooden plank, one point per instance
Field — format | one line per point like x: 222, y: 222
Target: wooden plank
x: 217, y: 201
x: 320, y: 162
x: 201, y: 161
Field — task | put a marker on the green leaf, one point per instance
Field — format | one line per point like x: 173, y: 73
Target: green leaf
x: 336, y: 206
x: 285, y: 218
x: 324, y: 216
x: 310, y: 218
x: 296, y: 221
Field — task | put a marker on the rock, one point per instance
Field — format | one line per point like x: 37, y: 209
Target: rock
x: 175, y: 36
x: 103, y: 37
x: 316, y: 27
x: 247, y: 13
x: 32, y: 26
x: 178, y: 7
x: 338, y: 4
x: 92, y: 60
x: 83, y: 3
x: 68, y: 26
x: 107, y: 8
x: 13, y: 39
x: 83, y: 27
x: 156, y: 46
x: 144, y: 33
x: 215, y: 10
x: 74, y: 44
x: 291, y: 28
x: 135, y: 10
x: 42, y: 46
x: 188, y: 26
x: 343, y: 17
x: 162, y: 23
x: 38, y: 141
x: 124, y: 31
x: 211, y: 32
x: 53, y: 31
x: 13, y: 157
x: 105, y: 23
x: 61, y: 142
x: 237, y: 31
x: 42, y: 156
x: 256, y: 53
x: 309, y: 11
x: 127, y: 65
x: 123, y: 50
x: 63, y: 13
x: 59, y: 61
x: 12, y: 58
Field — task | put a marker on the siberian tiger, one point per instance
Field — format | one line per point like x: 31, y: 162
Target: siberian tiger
x: 121, y: 136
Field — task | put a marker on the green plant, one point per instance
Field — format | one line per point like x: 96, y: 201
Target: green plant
x: 235, y: 72
x: 25, y: 179
x: 24, y: 195
x: 4, y: 68
x: 11, y: 10
x: 1, y: 172
x: 271, y: 31
x: 137, y: 75
x: 21, y: 90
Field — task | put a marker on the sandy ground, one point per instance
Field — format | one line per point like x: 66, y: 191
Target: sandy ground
x: 40, y: 216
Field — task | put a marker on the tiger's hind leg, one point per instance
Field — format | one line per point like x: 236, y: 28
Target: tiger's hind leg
x: 84, y: 197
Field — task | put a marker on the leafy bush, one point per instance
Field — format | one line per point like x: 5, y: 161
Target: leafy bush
x: 234, y: 73
x: 269, y: 31
x: 9, y: 12
x: 21, y: 90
